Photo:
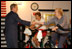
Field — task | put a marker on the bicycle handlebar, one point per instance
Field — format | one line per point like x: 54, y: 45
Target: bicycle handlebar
x: 49, y: 30
x: 61, y: 28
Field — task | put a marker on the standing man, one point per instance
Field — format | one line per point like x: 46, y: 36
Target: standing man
x: 11, y: 24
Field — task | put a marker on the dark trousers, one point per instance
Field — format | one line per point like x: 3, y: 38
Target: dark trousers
x: 61, y: 38
x: 12, y: 41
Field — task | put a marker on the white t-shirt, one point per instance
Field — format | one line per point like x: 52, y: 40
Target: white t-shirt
x: 42, y: 27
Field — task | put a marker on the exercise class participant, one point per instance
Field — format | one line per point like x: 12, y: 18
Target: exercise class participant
x: 61, y: 20
x: 38, y: 37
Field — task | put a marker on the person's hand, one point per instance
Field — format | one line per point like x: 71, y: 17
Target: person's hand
x: 55, y: 28
x: 40, y: 23
x: 33, y: 23
x: 32, y: 27
x: 37, y: 28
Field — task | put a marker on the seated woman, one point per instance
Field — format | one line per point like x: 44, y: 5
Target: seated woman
x: 61, y: 20
x: 39, y: 35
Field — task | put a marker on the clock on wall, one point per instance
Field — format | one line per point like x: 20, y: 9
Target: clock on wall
x: 34, y: 6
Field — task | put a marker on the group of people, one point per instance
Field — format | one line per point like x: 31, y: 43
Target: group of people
x: 12, y: 20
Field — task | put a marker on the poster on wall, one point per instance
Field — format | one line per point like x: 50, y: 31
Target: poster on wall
x: 48, y: 16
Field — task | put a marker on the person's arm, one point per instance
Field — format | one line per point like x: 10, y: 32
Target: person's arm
x: 38, y: 26
x: 24, y: 22
x: 61, y: 24
x: 50, y: 21
x: 64, y: 22
x: 47, y: 23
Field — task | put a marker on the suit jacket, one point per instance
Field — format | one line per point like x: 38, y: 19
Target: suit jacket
x: 11, y: 25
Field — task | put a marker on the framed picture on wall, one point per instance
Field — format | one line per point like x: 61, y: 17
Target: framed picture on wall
x: 48, y: 17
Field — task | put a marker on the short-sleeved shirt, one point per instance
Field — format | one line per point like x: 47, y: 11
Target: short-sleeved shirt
x: 42, y: 27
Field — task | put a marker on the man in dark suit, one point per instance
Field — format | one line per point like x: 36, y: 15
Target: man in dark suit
x: 11, y: 24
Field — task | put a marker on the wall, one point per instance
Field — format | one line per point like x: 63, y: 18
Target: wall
x: 3, y: 14
x: 25, y: 11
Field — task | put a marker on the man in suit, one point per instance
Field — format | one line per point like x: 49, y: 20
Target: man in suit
x: 11, y: 24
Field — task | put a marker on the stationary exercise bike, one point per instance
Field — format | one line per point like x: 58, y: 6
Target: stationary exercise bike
x: 29, y: 42
x: 49, y: 43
